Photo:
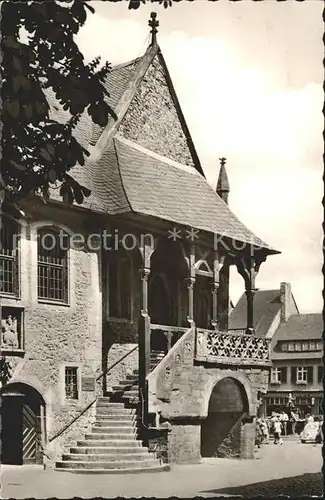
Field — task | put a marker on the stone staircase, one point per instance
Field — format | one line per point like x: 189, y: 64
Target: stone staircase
x: 112, y: 446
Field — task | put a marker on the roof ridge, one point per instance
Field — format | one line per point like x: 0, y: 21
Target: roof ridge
x: 127, y: 63
x: 123, y: 105
x: 157, y: 156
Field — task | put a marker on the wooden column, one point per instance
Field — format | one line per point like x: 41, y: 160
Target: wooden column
x: 217, y: 265
x: 190, y: 281
x: 223, y: 296
x: 144, y: 335
x: 248, y: 266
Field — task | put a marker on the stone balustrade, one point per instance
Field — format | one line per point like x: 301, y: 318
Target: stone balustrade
x: 231, y: 348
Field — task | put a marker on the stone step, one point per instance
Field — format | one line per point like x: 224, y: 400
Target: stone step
x: 131, y: 392
x: 114, y: 430
x: 105, y: 464
x: 110, y: 450
x: 111, y: 443
x: 106, y: 403
x: 131, y: 377
x: 110, y: 435
x: 107, y: 457
x: 133, y: 381
x: 121, y: 424
x: 129, y: 470
x: 102, y: 410
x: 116, y: 417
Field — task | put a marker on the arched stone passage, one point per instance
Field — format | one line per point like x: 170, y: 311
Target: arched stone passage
x: 221, y: 429
x: 23, y: 429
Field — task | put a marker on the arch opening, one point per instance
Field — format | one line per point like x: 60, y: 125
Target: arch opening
x: 23, y: 429
x: 221, y: 429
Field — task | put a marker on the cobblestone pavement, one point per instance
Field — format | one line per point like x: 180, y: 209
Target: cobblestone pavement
x: 213, y: 477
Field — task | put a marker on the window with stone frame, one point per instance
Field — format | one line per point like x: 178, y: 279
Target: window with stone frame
x: 9, y: 258
x: 52, y: 265
x: 278, y: 375
x: 120, y: 285
x: 71, y: 382
x: 304, y: 374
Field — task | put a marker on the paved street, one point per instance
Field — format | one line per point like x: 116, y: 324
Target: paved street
x: 211, y: 478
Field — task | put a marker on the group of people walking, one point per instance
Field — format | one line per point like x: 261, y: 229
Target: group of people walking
x: 277, y: 426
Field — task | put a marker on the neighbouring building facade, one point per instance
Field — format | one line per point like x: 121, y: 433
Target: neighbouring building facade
x: 115, y: 311
x: 296, y: 351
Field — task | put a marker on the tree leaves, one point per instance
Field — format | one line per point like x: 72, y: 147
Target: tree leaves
x: 36, y: 149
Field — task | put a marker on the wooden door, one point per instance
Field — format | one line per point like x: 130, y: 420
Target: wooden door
x: 30, y: 436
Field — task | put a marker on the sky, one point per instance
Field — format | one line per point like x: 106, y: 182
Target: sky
x: 249, y: 80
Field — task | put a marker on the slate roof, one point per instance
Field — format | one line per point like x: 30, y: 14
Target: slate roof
x: 298, y: 327
x: 301, y: 327
x: 116, y: 83
x: 130, y: 178
x: 124, y: 178
x: 267, y: 304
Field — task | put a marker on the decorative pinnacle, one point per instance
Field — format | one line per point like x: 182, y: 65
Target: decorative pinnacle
x: 223, y: 183
x: 153, y: 23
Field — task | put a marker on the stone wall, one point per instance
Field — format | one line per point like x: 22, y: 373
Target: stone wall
x: 60, y: 334
x: 152, y: 119
x: 184, y: 442
x: 123, y: 368
x: 181, y: 390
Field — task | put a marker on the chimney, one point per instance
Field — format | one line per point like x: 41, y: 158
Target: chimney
x: 285, y: 297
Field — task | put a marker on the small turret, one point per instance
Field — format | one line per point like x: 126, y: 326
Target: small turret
x: 223, y: 183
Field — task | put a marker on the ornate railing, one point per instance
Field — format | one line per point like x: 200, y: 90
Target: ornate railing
x: 239, y: 331
x: 12, y: 330
x: 162, y: 337
x: 230, y: 348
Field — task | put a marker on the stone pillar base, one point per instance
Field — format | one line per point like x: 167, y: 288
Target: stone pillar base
x: 184, y: 442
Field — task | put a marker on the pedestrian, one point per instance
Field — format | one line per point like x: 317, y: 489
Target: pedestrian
x: 265, y: 432
x: 293, y: 419
x: 277, y: 432
x: 284, y: 421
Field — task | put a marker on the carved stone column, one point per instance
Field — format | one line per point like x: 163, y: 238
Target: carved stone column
x: 248, y: 266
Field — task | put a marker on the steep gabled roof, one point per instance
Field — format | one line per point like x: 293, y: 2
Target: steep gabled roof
x: 267, y: 304
x: 122, y: 83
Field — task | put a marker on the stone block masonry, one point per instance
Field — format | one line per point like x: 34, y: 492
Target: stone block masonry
x: 221, y: 400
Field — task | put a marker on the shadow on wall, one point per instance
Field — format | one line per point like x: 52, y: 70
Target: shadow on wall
x: 220, y: 435
x: 221, y: 430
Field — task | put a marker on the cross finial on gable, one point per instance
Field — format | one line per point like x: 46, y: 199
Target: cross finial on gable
x: 153, y: 23
x: 222, y: 161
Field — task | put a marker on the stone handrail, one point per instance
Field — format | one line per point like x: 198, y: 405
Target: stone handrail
x: 230, y: 348
x: 161, y: 377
